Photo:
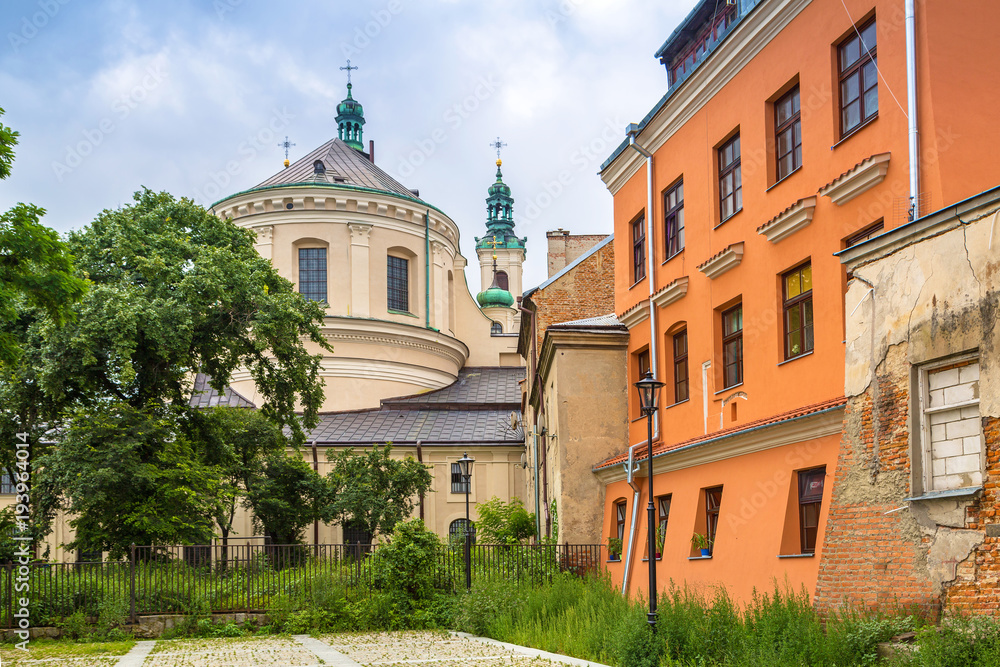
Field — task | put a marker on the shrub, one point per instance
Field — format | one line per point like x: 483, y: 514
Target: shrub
x: 962, y: 642
x: 408, y: 562
x: 635, y: 645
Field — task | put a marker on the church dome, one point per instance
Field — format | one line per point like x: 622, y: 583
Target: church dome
x: 350, y: 106
x: 495, y: 297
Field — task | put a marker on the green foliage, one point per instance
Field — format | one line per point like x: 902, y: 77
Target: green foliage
x: 374, y: 491
x: 407, y: 564
x: 504, y: 523
x: 286, y: 497
x: 958, y: 642
x: 635, y: 644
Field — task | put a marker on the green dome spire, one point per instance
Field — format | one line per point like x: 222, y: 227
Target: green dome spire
x: 500, y: 216
x: 350, y: 117
x: 495, y: 296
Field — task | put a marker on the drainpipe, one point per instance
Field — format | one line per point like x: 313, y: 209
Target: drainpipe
x: 538, y: 514
x: 316, y: 468
x: 704, y: 391
x: 911, y: 106
x: 632, y: 131
x: 420, y: 459
x: 541, y: 406
x: 427, y: 266
x: 630, y: 469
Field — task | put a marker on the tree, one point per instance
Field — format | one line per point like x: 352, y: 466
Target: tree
x: 175, y: 290
x: 132, y: 476
x: 36, y: 271
x: 504, y: 523
x: 374, y: 491
x: 286, y: 497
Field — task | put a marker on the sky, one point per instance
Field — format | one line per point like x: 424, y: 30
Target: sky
x: 194, y: 96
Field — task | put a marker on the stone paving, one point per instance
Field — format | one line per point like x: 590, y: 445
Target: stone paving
x: 387, y: 649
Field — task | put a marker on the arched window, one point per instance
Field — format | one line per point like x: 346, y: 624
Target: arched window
x: 496, y: 328
x: 503, y: 281
x: 319, y: 167
x: 456, y: 531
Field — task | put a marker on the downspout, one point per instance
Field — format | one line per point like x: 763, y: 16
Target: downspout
x: 632, y: 130
x: 534, y: 427
x: 315, y: 468
x: 420, y: 459
x: 427, y: 266
x: 911, y: 105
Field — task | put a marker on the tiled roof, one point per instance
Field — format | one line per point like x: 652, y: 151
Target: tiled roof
x: 203, y: 396
x: 343, y: 165
x: 399, y: 426
x: 662, y: 448
x: 481, y: 386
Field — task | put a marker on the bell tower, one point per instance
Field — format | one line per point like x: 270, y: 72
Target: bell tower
x: 350, y: 117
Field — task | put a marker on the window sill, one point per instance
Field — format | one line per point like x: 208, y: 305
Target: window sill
x: 796, y: 555
x: 797, y: 357
x: 646, y: 560
x: 966, y: 492
x: 734, y: 214
x: 855, y: 130
x: 667, y: 407
x: 789, y: 175
x: 730, y: 388
x: 400, y: 312
x: 613, y: 561
x: 699, y: 558
x: 676, y: 254
x: 638, y: 282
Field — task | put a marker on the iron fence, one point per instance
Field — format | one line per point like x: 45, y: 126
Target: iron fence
x: 247, y: 577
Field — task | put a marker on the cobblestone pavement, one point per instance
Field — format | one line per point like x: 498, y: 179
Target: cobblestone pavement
x: 390, y: 649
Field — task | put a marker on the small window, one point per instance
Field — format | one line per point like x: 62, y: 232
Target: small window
x: 458, y: 483
x: 798, y: 309
x: 502, y: 280
x: 496, y: 329
x: 810, y: 498
x: 7, y: 484
x: 457, y: 528
x: 319, y: 167
x: 638, y: 250
x: 663, y: 514
x: 312, y: 273
x: 952, y: 455
x: 357, y: 538
x: 673, y: 204
x: 868, y: 232
x: 730, y: 179
x: 620, y: 513
x: 788, y: 133
x: 857, y: 63
x: 713, y: 501
x: 398, y: 284
x: 732, y: 346
x: 642, y: 363
x: 680, y: 343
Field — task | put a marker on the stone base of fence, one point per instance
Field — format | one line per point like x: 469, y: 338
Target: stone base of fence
x: 148, y: 627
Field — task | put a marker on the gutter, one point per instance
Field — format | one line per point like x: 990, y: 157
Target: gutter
x: 911, y: 104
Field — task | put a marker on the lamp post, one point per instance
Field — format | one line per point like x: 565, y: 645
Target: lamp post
x: 465, y: 466
x: 649, y: 391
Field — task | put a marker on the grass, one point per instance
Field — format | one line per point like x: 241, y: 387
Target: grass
x: 56, y: 649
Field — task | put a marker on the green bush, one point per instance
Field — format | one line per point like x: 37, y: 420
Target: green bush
x: 407, y: 564
x: 958, y: 642
x: 635, y: 645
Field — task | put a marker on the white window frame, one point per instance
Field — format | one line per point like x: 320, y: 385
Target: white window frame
x: 925, y: 446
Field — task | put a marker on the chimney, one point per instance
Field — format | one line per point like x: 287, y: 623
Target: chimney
x: 557, y: 250
x: 371, y: 150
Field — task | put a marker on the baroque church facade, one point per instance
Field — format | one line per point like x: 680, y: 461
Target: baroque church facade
x: 417, y: 361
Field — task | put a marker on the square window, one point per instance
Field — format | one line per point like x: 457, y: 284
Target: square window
x: 952, y: 455
x: 458, y: 483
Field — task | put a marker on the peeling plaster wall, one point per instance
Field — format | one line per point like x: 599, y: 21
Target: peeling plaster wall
x: 921, y: 299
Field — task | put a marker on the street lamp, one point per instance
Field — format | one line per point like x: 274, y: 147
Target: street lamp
x: 465, y: 467
x: 649, y: 391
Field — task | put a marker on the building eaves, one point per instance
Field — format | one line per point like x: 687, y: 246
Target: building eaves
x: 569, y: 267
x: 203, y: 395
x: 609, y: 321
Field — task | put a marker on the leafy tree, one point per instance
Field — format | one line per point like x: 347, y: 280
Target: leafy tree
x: 174, y: 290
x: 286, y: 497
x: 129, y: 476
x: 35, y: 268
x: 408, y: 562
x: 504, y: 523
x: 373, y: 490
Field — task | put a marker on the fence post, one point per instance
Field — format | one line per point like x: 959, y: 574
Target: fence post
x: 132, y: 617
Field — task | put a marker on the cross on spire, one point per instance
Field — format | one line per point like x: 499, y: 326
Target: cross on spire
x: 286, y: 144
x: 497, y: 145
x: 348, y: 68
x: 494, y: 244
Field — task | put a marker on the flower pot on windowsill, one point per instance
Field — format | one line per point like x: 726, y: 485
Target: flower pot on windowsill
x: 705, y: 553
x: 658, y: 555
x: 614, y: 557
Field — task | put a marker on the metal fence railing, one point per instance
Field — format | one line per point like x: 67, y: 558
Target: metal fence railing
x: 248, y: 577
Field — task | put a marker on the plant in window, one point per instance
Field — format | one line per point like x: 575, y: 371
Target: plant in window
x: 614, y: 548
x: 661, y: 536
x: 701, y: 542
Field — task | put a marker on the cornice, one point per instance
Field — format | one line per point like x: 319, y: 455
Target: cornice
x: 728, y: 259
x: 747, y: 39
x: 384, y: 334
x: 635, y: 315
x: 865, y: 175
x: 809, y: 427
x: 672, y: 292
x: 792, y: 219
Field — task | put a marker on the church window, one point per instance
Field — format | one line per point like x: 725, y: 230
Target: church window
x: 398, y: 284
x: 456, y: 531
x: 496, y: 329
x: 319, y: 167
x: 312, y: 273
x: 502, y: 281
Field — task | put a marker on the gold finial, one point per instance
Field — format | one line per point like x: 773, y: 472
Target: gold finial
x: 499, y: 162
x: 286, y: 163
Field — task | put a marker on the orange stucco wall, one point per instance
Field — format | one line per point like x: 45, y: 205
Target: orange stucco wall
x: 955, y: 55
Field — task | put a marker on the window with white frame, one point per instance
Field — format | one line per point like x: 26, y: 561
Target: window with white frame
x: 951, y: 428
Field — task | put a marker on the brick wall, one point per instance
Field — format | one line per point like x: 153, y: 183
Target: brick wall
x: 563, y: 248
x: 587, y: 290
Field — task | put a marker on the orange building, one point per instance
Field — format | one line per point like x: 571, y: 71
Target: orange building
x: 784, y: 137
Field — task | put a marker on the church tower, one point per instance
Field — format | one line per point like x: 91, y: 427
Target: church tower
x: 350, y: 117
x: 501, y: 254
